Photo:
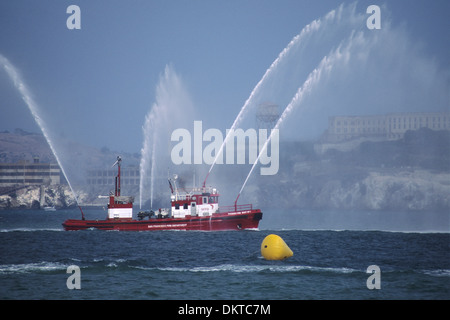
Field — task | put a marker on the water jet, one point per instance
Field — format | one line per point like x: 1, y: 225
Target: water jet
x: 34, y: 109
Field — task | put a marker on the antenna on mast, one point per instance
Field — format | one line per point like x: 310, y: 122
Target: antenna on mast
x: 118, y: 161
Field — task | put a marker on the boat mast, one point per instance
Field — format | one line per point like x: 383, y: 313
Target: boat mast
x: 117, y: 186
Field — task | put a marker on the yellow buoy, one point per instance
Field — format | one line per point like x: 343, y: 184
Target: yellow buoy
x: 274, y: 248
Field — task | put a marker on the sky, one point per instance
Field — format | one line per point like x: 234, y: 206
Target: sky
x: 96, y: 85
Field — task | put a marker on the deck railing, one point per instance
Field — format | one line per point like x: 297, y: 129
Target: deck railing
x: 185, y: 193
x: 239, y: 207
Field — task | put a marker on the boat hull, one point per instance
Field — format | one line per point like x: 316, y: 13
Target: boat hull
x: 239, y: 220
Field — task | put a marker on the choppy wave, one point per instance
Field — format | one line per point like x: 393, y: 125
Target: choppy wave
x: 253, y: 268
x: 283, y: 269
x: 438, y: 272
x: 97, y: 265
x: 54, y: 266
x: 30, y: 229
x: 46, y: 266
x: 43, y: 266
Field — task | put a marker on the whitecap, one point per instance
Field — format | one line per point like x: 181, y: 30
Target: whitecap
x: 253, y: 268
x: 438, y: 272
x: 32, y: 267
x: 30, y: 229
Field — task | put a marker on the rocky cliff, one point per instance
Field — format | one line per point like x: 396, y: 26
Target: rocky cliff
x: 376, y: 190
x: 36, y: 197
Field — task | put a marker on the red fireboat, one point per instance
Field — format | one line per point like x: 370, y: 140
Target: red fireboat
x: 194, y: 209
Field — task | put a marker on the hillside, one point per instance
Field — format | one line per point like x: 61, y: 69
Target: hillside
x: 24, y: 146
x: 408, y: 174
x: 21, y: 145
x: 412, y: 173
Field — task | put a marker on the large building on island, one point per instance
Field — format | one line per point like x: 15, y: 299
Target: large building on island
x: 390, y: 126
x: 25, y: 173
x: 106, y: 177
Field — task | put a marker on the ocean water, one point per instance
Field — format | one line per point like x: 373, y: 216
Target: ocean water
x: 35, y: 253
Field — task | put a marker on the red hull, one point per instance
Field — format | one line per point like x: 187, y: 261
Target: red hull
x: 239, y: 220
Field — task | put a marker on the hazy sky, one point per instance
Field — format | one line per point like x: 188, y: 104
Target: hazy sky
x: 96, y: 85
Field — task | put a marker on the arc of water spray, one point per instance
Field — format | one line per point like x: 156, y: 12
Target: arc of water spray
x: 161, y: 119
x: 144, y: 150
x: 314, y: 77
x: 34, y: 109
x: 307, y: 30
x: 151, y: 137
x: 152, y: 170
